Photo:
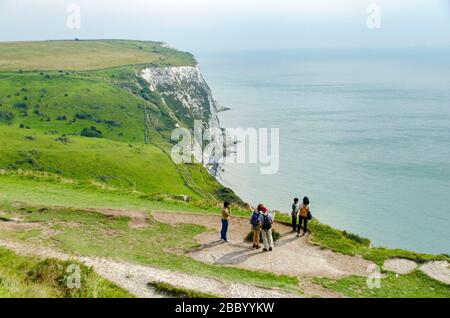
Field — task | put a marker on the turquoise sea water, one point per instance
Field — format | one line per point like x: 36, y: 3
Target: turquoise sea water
x: 365, y: 134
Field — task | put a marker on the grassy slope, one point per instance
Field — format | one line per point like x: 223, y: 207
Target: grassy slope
x: 177, y: 292
x: 86, y: 55
x: 159, y: 244
x: 31, y: 277
x: 117, y: 113
x: 140, y: 167
x: 94, y: 82
x: 63, y: 103
x: 413, y: 285
x: 40, y: 191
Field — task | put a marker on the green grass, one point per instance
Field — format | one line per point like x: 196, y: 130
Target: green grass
x: 158, y: 244
x: 141, y: 167
x: 87, y: 55
x: 346, y: 243
x: 49, y: 190
x: 351, y: 244
x: 413, y: 285
x: 178, y: 292
x: 44, y: 191
x: 28, y: 277
x: 275, y: 235
x: 45, y: 107
x: 50, y: 92
x: 65, y: 103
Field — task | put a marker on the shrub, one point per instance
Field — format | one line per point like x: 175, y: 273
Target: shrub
x: 6, y: 116
x: 30, y: 161
x: 112, y: 123
x: 84, y: 116
x: 61, y: 117
x: 356, y: 238
x: 91, y: 132
x: 63, y: 139
x: 21, y: 105
x: 275, y: 234
x: 177, y: 292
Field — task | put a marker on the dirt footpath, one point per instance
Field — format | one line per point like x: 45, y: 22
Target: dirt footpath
x: 135, y: 277
x: 291, y: 255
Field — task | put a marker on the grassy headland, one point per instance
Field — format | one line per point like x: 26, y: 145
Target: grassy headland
x: 79, y: 130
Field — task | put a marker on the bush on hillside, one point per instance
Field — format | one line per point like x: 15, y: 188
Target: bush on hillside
x: 63, y: 139
x: 276, y: 236
x: 84, y: 116
x: 91, y: 132
x: 21, y: 105
x: 6, y: 116
x: 112, y: 123
x: 358, y: 239
x: 226, y: 194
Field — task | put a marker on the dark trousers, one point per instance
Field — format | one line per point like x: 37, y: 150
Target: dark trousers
x: 223, y: 233
x: 305, y: 224
x: 294, y: 223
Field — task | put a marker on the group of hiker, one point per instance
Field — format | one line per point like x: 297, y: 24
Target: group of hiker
x: 261, y: 221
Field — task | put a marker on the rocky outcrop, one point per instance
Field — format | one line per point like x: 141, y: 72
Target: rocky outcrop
x: 186, y: 92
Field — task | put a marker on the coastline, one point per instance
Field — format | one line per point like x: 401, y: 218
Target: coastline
x: 344, y: 175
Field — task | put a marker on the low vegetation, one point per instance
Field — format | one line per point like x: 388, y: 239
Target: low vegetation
x: 94, y: 234
x: 275, y: 234
x: 177, y: 292
x: 28, y: 277
x: 77, y: 55
x: 84, y: 133
x: 413, y: 285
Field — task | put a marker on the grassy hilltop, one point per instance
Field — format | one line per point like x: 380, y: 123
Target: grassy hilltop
x: 81, y: 134
x: 87, y: 55
x: 56, y: 94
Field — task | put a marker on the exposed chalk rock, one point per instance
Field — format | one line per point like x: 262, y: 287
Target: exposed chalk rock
x: 400, y: 265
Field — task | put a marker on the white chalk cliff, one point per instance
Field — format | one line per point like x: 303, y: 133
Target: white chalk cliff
x: 186, y: 92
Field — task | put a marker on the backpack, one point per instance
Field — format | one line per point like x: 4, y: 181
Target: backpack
x: 254, y: 219
x: 304, y: 211
x: 266, y: 224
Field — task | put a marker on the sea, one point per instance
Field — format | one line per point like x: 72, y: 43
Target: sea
x: 364, y: 133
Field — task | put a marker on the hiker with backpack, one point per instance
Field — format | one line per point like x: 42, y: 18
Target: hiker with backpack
x: 266, y: 221
x: 294, y: 213
x: 226, y: 213
x: 304, y: 215
x: 256, y: 225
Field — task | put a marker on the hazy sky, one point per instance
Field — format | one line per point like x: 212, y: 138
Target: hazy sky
x: 198, y: 25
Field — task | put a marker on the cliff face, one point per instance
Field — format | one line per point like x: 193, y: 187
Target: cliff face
x: 185, y: 91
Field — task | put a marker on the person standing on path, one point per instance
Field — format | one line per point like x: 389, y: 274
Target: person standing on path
x: 266, y: 221
x: 294, y: 213
x: 256, y: 225
x: 226, y: 214
x: 303, y: 216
